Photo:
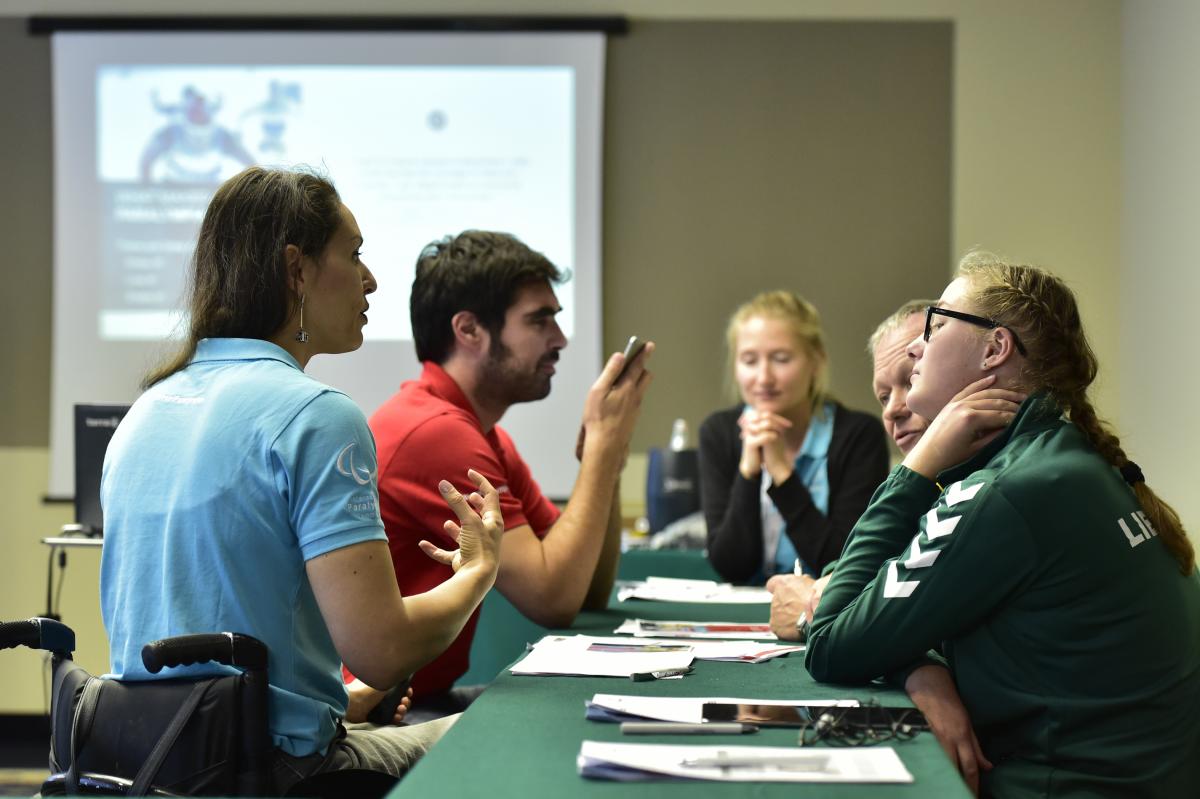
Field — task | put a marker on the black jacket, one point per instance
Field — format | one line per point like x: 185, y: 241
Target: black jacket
x: 857, y: 464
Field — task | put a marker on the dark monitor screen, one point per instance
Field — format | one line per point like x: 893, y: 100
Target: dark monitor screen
x: 94, y: 428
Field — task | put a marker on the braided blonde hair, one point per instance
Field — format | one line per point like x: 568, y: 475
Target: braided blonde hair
x: 1042, y: 311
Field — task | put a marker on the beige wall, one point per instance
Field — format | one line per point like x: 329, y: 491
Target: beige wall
x: 1036, y: 174
x: 742, y: 157
x: 23, y: 587
x: 1160, y: 278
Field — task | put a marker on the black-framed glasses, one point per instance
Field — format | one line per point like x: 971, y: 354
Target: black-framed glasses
x: 990, y: 324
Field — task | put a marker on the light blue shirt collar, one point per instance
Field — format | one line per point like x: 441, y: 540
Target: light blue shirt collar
x: 242, y: 349
x: 812, y: 470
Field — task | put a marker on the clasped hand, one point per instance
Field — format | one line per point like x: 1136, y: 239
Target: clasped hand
x: 793, y: 595
x: 478, y: 530
x: 764, y: 445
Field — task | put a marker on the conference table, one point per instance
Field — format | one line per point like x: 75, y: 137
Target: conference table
x: 521, y: 737
x: 503, y: 632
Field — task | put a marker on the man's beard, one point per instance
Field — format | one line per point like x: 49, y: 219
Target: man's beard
x: 504, y: 382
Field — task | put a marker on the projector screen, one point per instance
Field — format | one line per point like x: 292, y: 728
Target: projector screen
x: 424, y: 135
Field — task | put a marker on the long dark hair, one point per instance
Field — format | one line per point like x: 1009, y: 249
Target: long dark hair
x: 237, y: 284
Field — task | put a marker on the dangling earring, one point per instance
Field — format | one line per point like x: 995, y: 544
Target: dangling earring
x: 302, y: 334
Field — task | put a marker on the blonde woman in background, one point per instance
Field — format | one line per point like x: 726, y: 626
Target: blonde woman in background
x: 787, y: 471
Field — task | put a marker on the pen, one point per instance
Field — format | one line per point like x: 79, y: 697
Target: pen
x: 788, y: 762
x: 686, y: 728
x: 638, y: 648
x: 645, y: 676
x: 702, y: 628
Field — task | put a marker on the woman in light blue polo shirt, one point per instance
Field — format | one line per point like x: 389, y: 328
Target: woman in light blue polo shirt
x: 240, y: 494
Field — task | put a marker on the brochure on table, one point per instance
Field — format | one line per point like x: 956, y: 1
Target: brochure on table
x: 586, y: 655
x: 571, y: 655
x: 641, y: 762
x: 674, y: 589
x: 647, y: 628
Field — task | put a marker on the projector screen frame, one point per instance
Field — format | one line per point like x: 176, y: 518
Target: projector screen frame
x: 611, y: 25
x: 310, y: 25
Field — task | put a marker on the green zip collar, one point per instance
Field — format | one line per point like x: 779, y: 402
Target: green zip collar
x: 1038, y: 412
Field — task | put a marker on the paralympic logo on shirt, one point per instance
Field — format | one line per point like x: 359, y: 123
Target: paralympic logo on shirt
x: 345, y: 465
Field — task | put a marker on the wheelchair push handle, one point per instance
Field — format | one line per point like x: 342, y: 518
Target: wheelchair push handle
x: 37, y: 633
x: 231, y: 649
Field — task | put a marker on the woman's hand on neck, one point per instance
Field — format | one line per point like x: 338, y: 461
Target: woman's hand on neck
x: 972, y: 419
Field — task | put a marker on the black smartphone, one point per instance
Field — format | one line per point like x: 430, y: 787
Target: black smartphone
x: 768, y: 715
x: 383, y: 712
x: 632, y: 349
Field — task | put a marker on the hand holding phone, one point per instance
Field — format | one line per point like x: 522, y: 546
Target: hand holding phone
x: 383, y: 713
x: 632, y: 349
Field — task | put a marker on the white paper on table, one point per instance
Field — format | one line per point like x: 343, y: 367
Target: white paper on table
x: 691, y: 708
x: 569, y: 655
x: 674, y: 589
x: 724, y: 630
x: 708, y: 649
x: 876, y: 764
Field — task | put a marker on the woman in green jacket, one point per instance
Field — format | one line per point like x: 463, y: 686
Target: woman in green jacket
x: 1018, y: 542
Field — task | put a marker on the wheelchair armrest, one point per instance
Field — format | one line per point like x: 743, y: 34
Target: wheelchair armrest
x: 38, y: 633
x: 96, y: 785
x: 231, y: 649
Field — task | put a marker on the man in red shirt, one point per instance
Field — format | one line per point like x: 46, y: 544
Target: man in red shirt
x: 483, y: 317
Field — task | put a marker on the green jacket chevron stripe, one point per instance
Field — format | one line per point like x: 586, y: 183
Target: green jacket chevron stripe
x: 1072, y: 636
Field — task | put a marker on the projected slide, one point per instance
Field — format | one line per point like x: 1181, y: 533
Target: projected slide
x: 424, y: 134
x: 416, y: 152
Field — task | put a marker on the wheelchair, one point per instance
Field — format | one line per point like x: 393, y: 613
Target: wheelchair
x: 205, y: 736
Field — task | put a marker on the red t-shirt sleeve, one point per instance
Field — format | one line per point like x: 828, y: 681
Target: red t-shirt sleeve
x: 539, y: 513
x: 442, y: 448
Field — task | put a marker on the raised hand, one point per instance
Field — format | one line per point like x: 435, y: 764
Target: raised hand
x: 612, y: 405
x: 975, y: 416
x: 478, y: 530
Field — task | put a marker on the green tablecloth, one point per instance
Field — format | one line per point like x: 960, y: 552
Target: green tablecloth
x: 638, y: 564
x: 519, y: 740
x: 503, y: 632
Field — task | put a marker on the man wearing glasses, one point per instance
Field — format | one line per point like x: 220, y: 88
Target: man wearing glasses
x: 795, y: 597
